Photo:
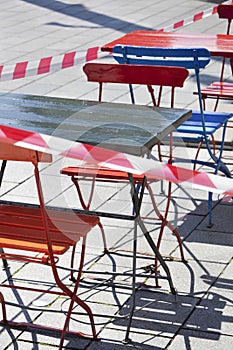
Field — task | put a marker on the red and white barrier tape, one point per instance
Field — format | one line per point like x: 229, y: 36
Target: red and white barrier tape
x: 193, y: 19
x: 115, y: 160
x: 54, y: 64
x: 48, y: 64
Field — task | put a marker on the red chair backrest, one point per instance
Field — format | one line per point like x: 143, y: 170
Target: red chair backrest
x: 135, y: 74
x: 225, y: 11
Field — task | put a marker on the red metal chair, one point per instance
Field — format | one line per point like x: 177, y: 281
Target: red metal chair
x: 149, y: 76
x: 47, y: 231
x: 133, y: 74
x: 220, y: 89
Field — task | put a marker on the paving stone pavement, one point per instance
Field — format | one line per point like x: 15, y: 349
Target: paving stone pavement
x: 201, y: 316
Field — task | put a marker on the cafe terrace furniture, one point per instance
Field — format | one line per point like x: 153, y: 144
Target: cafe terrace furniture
x: 220, y: 89
x: 137, y: 74
x: 109, y: 125
x: 202, y: 124
x: 46, y: 233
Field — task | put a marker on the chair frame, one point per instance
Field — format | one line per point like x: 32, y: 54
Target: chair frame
x: 33, y: 228
x: 93, y: 174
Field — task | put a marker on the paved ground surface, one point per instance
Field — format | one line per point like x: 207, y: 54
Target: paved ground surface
x: 201, y: 317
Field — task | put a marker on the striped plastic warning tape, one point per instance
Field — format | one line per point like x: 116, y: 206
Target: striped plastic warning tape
x: 48, y: 64
x: 115, y: 160
x: 54, y: 64
x: 193, y: 19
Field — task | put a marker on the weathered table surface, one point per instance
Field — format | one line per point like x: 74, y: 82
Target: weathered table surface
x: 122, y: 127
x: 217, y: 44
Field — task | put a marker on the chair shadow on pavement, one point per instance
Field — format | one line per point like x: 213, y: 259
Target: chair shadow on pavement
x: 203, y: 312
x: 159, y: 315
x: 82, y: 12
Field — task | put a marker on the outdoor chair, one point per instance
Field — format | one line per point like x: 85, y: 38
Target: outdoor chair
x: 220, y: 89
x: 40, y: 234
x: 149, y: 76
x: 202, y: 126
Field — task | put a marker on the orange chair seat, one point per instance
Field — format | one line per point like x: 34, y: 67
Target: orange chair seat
x: 21, y: 227
x: 100, y: 173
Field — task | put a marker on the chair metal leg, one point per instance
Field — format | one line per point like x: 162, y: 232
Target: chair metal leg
x: 74, y: 299
x: 2, y: 301
x: 164, y: 220
x: 67, y: 291
x: 87, y: 206
x: 127, y: 339
x: 2, y: 170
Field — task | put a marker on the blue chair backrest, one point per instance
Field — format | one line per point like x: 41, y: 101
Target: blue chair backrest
x: 190, y: 58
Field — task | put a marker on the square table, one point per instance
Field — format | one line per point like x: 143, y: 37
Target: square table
x: 122, y: 127
x: 217, y: 44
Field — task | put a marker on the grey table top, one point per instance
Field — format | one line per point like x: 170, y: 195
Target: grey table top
x: 122, y: 127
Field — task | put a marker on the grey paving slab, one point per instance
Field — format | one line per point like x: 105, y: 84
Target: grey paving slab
x: 144, y: 341
x: 198, y: 340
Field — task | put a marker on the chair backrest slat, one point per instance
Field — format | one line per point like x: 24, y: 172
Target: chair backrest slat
x: 178, y: 57
x: 135, y: 74
x: 189, y: 58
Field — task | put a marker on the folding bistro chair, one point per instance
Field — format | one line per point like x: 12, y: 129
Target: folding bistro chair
x: 202, y: 125
x: 138, y: 75
x: 220, y: 89
x: 39, y: 235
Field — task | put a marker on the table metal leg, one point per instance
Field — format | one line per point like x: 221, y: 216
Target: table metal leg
x: 137, y: 201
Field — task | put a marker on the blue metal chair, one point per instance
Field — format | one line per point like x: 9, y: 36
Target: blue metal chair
x: 202, y: 125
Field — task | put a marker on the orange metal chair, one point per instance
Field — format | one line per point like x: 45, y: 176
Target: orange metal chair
x: 47, y: 231
x: 103, y: 174
x: 220, y: 89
